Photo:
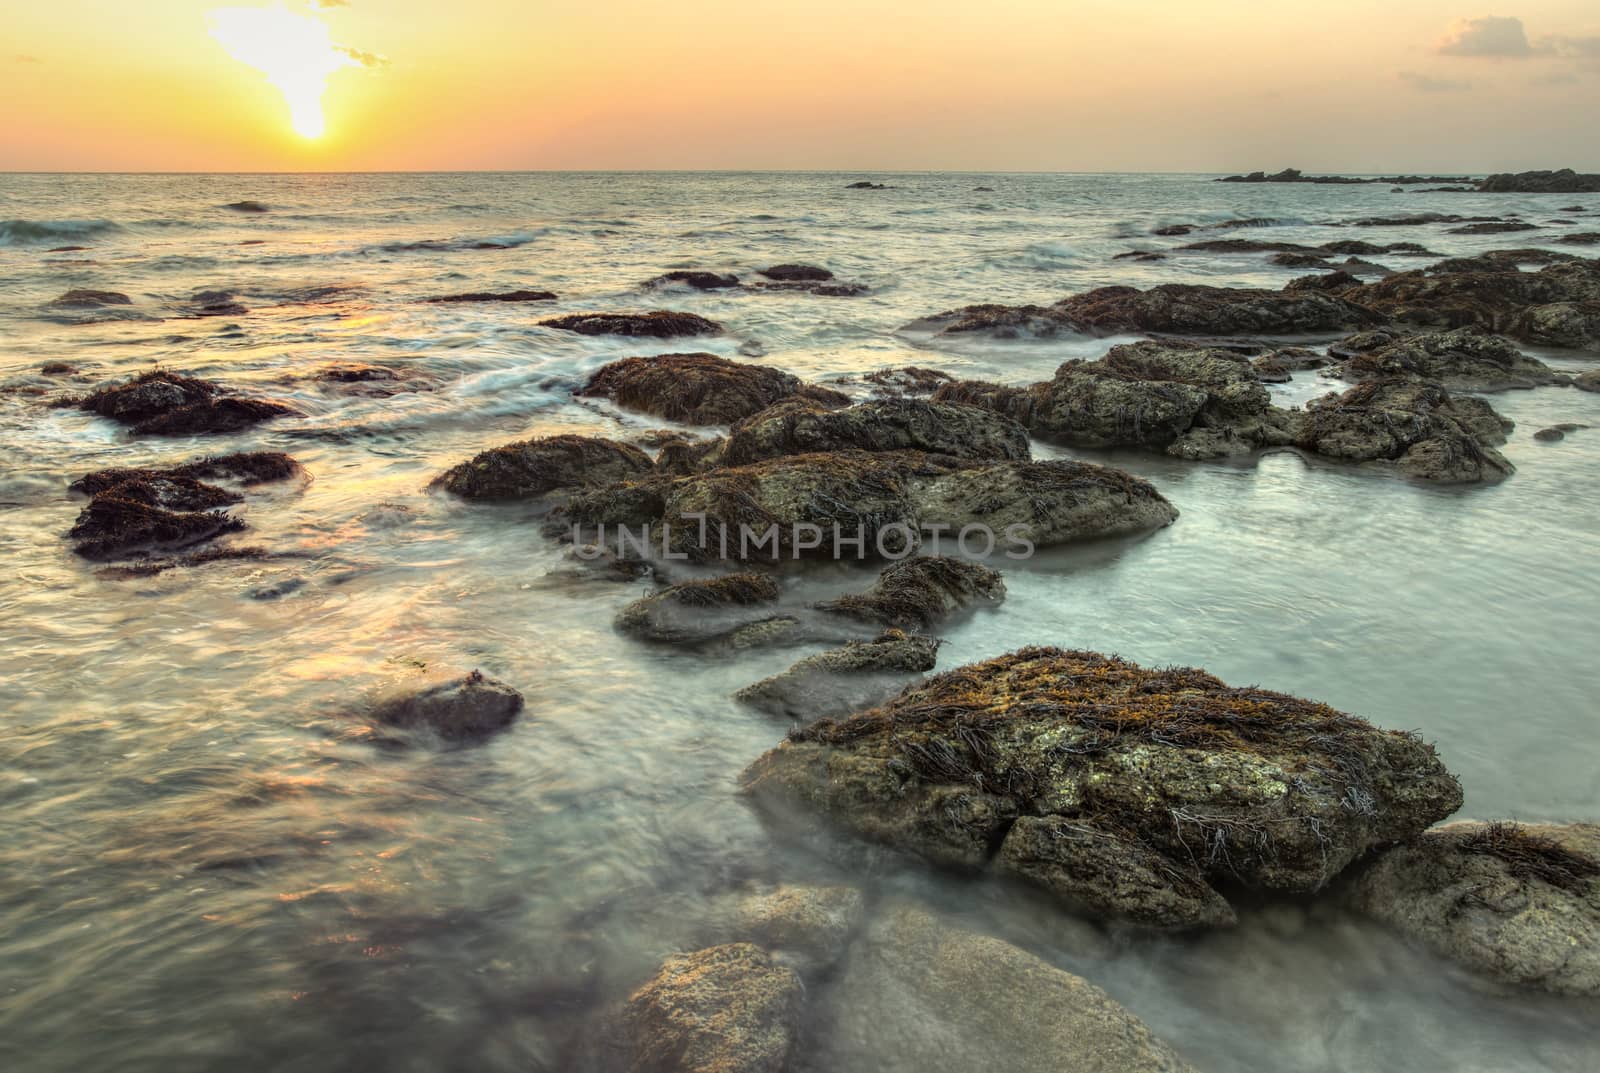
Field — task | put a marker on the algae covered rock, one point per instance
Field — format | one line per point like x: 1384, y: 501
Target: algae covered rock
x: 1420, y: 428
x: 699, y: 389
x: 693, y: 612
x: 539, y: 466
x: 841, y: 680
x: 1187, y: 309
x: 170, y: 404
x: 1518, y: 903
x: 915, y: 593
x: 457, y: 707
x: 1465, y: 359
x: 725, y: 1009
x: 1147, y: 792
x: 658, y: 324
x: 919, y: 994
x: 802, y: 426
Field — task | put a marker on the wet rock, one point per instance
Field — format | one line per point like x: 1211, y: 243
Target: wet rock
x: 1502, y: 228
x: 1181, y: 784
x: 700, y: 281
x: 807, y: 925
x: 152, y: 567
x: 90, y: 299
x: 911, y: 380
x: 1140, y: 255
x: 1417, y: 427
x: 1271, y: 370
x: 1567, y: 324
x: 1550, y: 435
x: 699, y: 389
x: 866, y: 185
x: 1581, y: 238
x: 725, y: 1009
x: 694, y: 612
x: 1296, y: 259
x: 167, y: 489
x: 690, y: 456
x: 246, y: 206
x: 539, y: 466
x: 226, y: 414
x: 1185, y: 309
x: 1466, y: 359
x: 245, y: 468
x: 1564, y: 181
x: 916, y: 593
x: 1001, y: 322
x: 1514, y: 902
x: 841, y: 680
x: 355, y: 372
x: 820, y: 504
x: 1173, y: 230
x: 802, y: 426
x: 169, y: 404
x: 1249, y: 245
x: 494, y: 296
x: 918, y: 994
x: 57, y: 368
x: 1587, y: 381
x: 797, y: 274
x: 659, y: 324
x: 1417, y: 219
x: 457, y: 707
x: 127, y: 522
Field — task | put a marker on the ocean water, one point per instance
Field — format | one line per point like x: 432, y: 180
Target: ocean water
x: 203, y: 865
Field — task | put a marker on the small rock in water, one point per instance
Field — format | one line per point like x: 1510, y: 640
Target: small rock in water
x: 866, y: 184
x: 800, y: 425
x: 1549, y: 435
x: 659, y: 324
x: 809, y: 924
x: 694, y: 612
x: 700, y: 281
x: 456, y: 706
x: 841, y: 680
x: 89, y: 299
x: 540, y: 466
x: 915, y: 593
x: 907, y: 380
x: 493, y: 296
x: 797, y: 273
x: 246, y: 206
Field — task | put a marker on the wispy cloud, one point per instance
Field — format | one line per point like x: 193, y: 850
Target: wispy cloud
x: 1429, y: 84
x: 365, y: 59
x: 1491, y: 35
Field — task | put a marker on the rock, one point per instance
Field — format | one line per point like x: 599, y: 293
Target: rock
x: 246, y: 468
x: 1502, y: 228
x: 1587, y: 381
x: 458, y: 707
x: 801, y: 426
x: 170, y: 404
x: 1251, y: 245
x: 130, y: 520
x: 1517, y: 903
x: 539, y: 466
x: 659, y: 324
x: 841, y: 680
x: 1565, y: 181
x: 494, y: 296
x: 1001, y: 322
x: 57, y: 368
x: 1185, y: 309
x: 1549, y: 435
x: 810, y: 925
x: 866, y: 185
x: 907, y: 380
x: 797, y: 273
x: 695, y: 612
x: 917, y: 994
x: 1466, y: 359
x: 1294, y: 259
x: 246, y: 206
x: 1140, y: 255
x: 1141, y: 394
x: 152, y: 567
x: 1177, y: 782
x: 226, y: 414
x: 88, y: 299
x: 1581, y: 238
x: 821, y: 504
x: 356, y: 372
x: 1567, y: 324
x: 1418, y: 427
x: 700, y: 281
x: 915, y: 593
x: 725, y: 1009
x: 699, y: 389
x: 1173, y: 230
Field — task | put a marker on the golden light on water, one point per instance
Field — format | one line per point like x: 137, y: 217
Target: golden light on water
x: 293, y: 50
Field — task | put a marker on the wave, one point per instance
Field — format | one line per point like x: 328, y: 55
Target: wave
x: 38, y: 232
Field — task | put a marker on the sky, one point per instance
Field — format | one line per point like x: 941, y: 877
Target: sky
x: 858, y: 85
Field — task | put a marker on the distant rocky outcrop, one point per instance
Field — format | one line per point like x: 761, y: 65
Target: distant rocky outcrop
x: 1564, y: 181
x: 1294, y: 175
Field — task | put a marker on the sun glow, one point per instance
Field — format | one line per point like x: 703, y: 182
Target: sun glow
x: 293, y: 50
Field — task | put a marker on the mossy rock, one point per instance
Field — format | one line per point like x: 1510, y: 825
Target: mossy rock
x: 699, y: 389
x: 694, y: 612
x: 1465, y: 359
x: 1148, y: 794
x: 916, y: 593
x: 803, y: 426
x: 1418, y: 427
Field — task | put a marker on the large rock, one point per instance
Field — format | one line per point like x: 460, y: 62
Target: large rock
x: 918, y: 994
x: 725, y: 1009
x: 841, y: 680
x: 813, y: 505
x: 540, y: 466
x: 1417, y: 427
x: 658, y: 324
x: 457, y: 707
x: 1466, y: 359
x: 915, y: 593
x: 1519, y: 903
x: 1185, y: 309
x: 802, y: 426
x: 1587, y: 381
x: 1146, y: 793
x: 699, y: 389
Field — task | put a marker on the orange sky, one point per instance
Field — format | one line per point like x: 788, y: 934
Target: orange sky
x: 1157, y: 85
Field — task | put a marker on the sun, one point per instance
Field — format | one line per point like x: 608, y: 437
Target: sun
x: 293, y: 50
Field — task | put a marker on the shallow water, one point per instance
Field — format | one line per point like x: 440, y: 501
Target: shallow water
x: 203, y: 862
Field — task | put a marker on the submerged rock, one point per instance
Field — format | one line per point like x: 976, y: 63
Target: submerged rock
x: 130, y: 520
x: 695, y: 612
x: 493, y: 296
x: 1518, y: 903
x: 1417, y: 426
x: 1146, y: 792
x: 913, y: 594
x: 1550, y: 435
x: 90, y: 299
x: 797, y: 273
x: 170, y: 404
x: 700, y: 281
x: 1503, y: 227
x: 539, y: 466
x: 460, y: 707
x: 918, y: 994
x: 725, y: 1009
x: 1466, y: 359
x: 699, y: 389
x: 1581, y: 238
x: 802, y: 426
x: 808, y: 925
x: 840, y: 680
x: 659, y: 324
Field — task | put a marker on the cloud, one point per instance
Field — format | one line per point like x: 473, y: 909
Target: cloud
x: 365, y: 59
x: 1571, y: 48
x: 1492, y: 35
x: 324, y: 5
x: 1429, y: 84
